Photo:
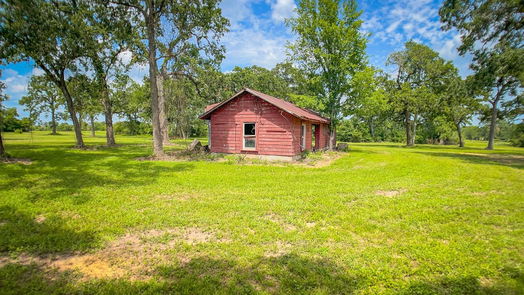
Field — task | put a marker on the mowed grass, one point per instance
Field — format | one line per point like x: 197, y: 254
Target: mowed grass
x: 383, y: 219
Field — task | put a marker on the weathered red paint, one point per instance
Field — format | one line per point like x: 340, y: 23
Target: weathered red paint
x: 278, y: 132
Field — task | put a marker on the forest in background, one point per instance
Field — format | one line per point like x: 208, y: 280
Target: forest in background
x: 184, y: 104
x: 423, y: 99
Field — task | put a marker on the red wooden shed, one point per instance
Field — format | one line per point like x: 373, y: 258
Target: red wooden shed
x: 252, y: 122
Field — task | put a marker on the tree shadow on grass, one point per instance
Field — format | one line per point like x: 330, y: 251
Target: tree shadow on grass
x: 467, y: 285
x: 514, y: 161
x: 21, y: 232
x: 64, y: 173
x: 289, y: 274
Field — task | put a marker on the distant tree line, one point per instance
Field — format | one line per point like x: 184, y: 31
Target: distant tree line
x: 79, y: 46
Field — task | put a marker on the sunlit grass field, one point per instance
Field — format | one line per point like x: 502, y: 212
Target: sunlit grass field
x: 383, y: 219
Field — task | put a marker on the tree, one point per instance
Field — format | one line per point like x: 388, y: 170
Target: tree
x: 493, y: 32
x: 43, y: 97
x: 459, y: 104
x: 48, y: 32
x: 130, y: 101
x: 86, y: 98
x: 110, y: 34
x: 176, y: 17
x: 420, y: 74
x: 330, y: 49
x: 180, y: 56
x: 498, y: 76
x: 3, y: 97
x: 373, y: 101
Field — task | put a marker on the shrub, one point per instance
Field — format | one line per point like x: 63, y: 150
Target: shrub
x: 517, y: 136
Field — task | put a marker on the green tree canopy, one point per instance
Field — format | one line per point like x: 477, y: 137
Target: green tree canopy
x: 330, y: 49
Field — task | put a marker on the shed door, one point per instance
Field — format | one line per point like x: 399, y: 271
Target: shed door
x: 303, y: 137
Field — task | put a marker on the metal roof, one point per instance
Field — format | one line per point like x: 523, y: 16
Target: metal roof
x: 277, y: 102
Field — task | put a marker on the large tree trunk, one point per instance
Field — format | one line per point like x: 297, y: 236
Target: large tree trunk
x: 459, y: 132
x: 81, y: 120
x: 372, y: 129
x: 493, y: 125
x: 2, y: 149
x: 108, y: 115
x: 332, y: 136
x: 164, y: 126
x: 414, y: 134
x: 71, y: 109
x: 53, y: 119
x: 92, y: 121
x: 407, y: 116
x: 158, y: 147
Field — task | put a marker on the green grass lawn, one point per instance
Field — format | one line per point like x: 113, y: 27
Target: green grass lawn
x: 382, y: 219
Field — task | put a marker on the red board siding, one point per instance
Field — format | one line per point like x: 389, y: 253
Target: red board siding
x: 277, y: 132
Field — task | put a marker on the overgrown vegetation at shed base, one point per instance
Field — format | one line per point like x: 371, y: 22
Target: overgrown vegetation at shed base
x: 387, y: 219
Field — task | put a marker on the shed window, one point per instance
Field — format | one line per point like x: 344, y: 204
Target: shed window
x: 249, y: 136
x: 303, y: 137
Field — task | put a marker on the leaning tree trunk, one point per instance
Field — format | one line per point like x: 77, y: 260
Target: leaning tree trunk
x: 372, y: 129
x: 164, y: 126
x: 332, y: 136
x: 409, y: 135
x: 53, y: 119
x: 92, y: 122
x: 108, y: 115
x: 2, y: 149
x: 414, y: 134
x: 459, y: 132
x: 72, y: 114
x: 158, y: 147
x: 493, y: 125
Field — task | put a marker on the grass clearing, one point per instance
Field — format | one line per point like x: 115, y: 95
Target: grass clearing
x: 380, y: 219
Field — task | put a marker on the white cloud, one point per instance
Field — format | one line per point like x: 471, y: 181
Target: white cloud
x: 256, y: 38
x: 282, y: 9
x: 137, y: 72
x: 252, y: 47
x: 15, y: 83
x: 236, y: 11
x: 17, y: 88
x: 37, y: 71
x: 397, y: 22
x: 125, y: 57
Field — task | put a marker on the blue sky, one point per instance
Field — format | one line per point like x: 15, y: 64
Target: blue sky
x: 258, y: 36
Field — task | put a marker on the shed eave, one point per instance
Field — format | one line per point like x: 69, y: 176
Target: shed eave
x: 206, y: 115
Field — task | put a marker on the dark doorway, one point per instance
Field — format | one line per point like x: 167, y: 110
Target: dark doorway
x: 315, y: 138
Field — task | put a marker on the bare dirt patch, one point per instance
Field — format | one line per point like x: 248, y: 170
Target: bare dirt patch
x: 183, y: 155
x: 280, y: 221
x: 178, y: 196
x: 22, y: 161
x: 69, y: 215
x: 313, y: 160
x: 390, y: 194
x: 280, y: 249
x: 40, y: 219
x: 130, y: 256
x: 310, y: 224
x: 500, y: 158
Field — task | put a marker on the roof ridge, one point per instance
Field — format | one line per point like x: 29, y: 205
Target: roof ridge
x: 282, y: 104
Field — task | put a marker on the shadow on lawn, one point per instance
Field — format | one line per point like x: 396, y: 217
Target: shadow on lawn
x: 288, y: 274
x: 22, y: 232
x: 468, y: 285
x: 65, y: 173
x: 514, y: 161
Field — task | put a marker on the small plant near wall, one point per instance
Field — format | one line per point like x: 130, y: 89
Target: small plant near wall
x: 304, y: 155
